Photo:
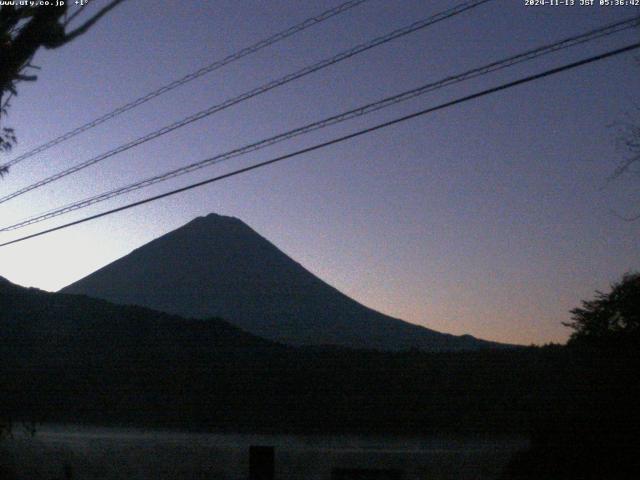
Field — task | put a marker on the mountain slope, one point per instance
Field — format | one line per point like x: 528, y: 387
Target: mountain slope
x: 52, y: 326
x: 75, y: 359
x: 217, y: 266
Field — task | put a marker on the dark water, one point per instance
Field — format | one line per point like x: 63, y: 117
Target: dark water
x: 102, y: 453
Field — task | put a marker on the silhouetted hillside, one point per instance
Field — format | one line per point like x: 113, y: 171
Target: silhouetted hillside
x: 217, y: 266
x: 73, y: 358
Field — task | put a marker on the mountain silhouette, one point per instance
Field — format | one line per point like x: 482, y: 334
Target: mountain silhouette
x: 217, y: 266
x: 76, y: 359
x: 30, y: 317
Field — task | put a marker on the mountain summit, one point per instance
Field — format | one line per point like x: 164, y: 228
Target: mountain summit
x: 217, y: 266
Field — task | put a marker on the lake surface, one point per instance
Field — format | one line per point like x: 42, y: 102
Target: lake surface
x: 110, y: 453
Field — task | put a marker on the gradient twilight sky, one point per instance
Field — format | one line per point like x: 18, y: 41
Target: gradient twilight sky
x: 492, y: 218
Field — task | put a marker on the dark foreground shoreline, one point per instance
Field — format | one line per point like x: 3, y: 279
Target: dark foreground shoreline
x: 111, y: 453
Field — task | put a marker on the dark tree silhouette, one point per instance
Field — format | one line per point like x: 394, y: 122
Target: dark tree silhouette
x: 591, y: 427
x: 24, y: 30
x: 609, y: 316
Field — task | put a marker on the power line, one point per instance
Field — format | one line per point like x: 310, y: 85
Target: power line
x: 334, y: 141
x: 456, y: 10
x: 309, y: 22
x: 363, y: 110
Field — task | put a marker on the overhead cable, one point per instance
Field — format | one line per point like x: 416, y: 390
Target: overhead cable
x: 335, y: 119
x: 456, y: 10
x: 309, y: 22
x: 341, y: 139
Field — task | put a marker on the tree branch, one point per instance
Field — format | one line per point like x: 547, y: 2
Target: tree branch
x: 632, y: 218
x: 68, y: 37
x: 72, y: 17
x: 625, y: 166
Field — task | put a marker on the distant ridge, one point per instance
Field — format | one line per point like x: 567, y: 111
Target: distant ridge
x: 73, y: 359
x: 217, y: 266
